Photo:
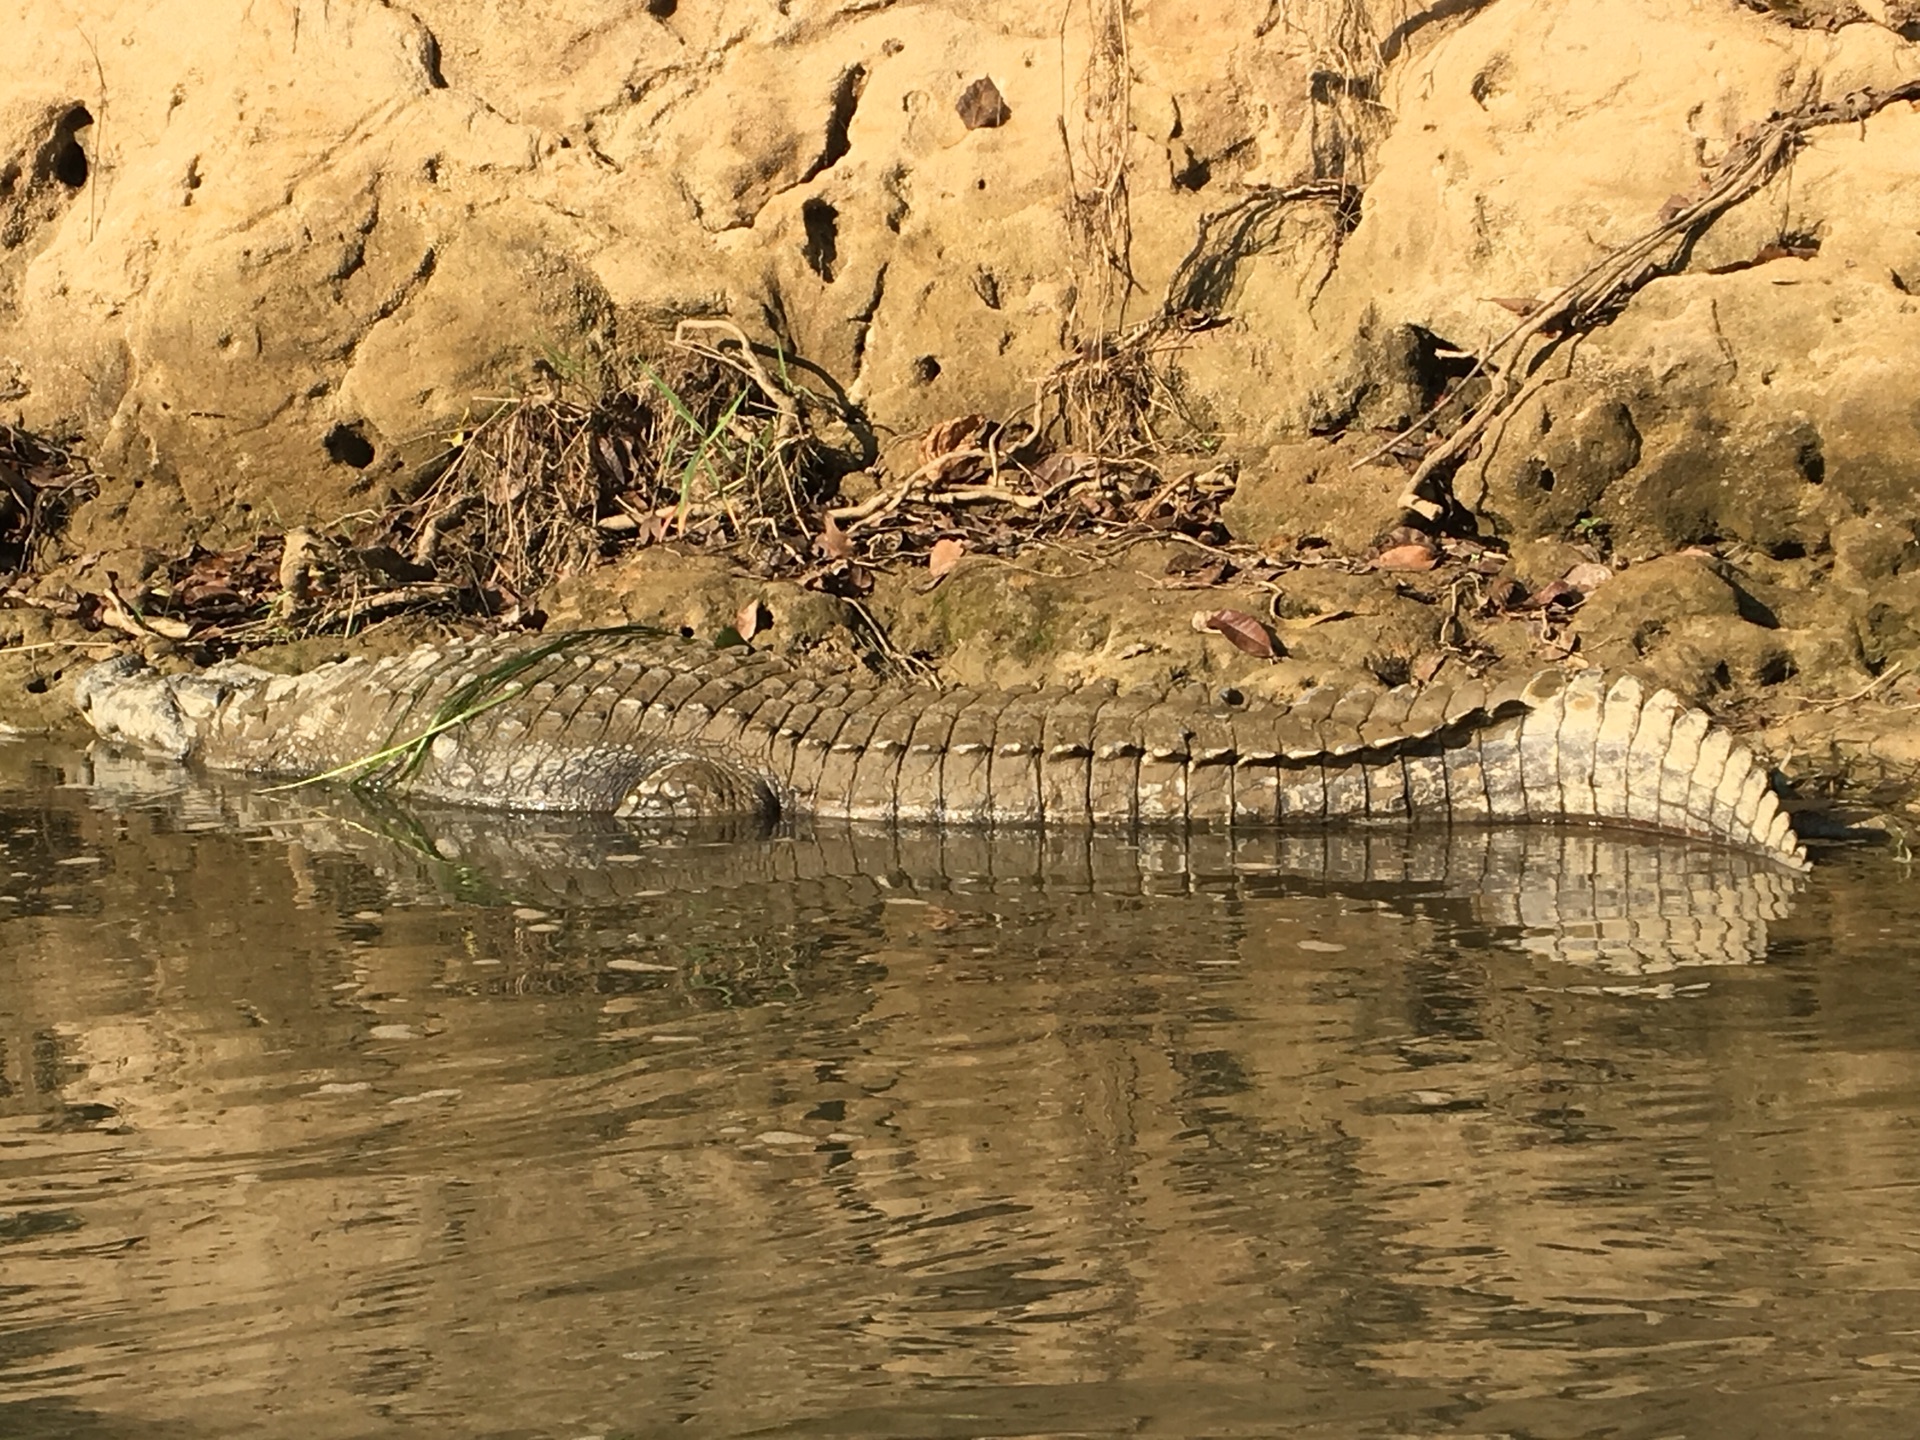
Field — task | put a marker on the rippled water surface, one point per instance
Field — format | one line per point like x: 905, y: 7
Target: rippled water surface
x: 321, y: 1120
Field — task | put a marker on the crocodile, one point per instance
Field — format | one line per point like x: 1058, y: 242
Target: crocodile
x: 656, y: 727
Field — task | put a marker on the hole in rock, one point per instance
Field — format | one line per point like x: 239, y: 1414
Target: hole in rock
x: 65, y: 160
x: 1812, y: 461
x: 430, y: 60
x: 926, y: 370
x: 1194, y: 173
x: 345, y: 445
x: 846, y: 99
x: 822, y: 225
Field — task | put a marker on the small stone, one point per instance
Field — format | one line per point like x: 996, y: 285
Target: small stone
x: 1323, y: 947
x: 782, y: 1137
x: 394, y: 1032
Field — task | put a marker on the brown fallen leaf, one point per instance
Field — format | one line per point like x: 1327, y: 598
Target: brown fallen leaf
x: 949, y: 435
x: 1426, y: 666
x: 1507, y: 594
x: 1521, y: 305
x: 1588, y: 577
x: 1676, y: 203
x: 1554, y: 592
x: 833, y: 542
x: 1062, y: 467
x: 1243, y: 632
x: 1322, y: 617
x: 1406, y: 557
x: 944, y: 556
x: 752, y: 619
x: 982, y: 107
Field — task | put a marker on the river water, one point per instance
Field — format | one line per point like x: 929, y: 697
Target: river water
x: 319, y: 1120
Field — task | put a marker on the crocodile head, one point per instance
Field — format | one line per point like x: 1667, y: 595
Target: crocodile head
x: 127, y: 701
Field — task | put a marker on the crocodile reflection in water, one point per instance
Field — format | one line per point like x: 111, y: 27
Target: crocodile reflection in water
x: 1625, y: 904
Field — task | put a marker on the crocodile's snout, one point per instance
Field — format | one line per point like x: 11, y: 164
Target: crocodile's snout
x: 125, y: 700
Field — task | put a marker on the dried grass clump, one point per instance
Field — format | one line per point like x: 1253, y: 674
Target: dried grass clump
x: 707, y: 444
x: 40, y: 482
x: 1122, y: 397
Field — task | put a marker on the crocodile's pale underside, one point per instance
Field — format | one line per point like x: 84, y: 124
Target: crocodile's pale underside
x: 649, y: 726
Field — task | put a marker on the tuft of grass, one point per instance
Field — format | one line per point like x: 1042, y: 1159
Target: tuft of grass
x: 703, y: 444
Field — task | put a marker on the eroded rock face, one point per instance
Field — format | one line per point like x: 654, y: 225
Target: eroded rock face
x: 261, y: 258
x: 1763, y: 395
x: 254, y: 255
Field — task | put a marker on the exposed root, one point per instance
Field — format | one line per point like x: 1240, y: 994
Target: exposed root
x: 1598, y: 294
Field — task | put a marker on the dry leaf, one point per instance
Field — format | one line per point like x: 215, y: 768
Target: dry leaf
x: 1674, y: 205
x: 1522, y: 306
x: 1406, y: 557
x: 752, y: 619
x: 1243, y: 632
x: 1322, y: 617
x: 1554, y: 592
x: 1060, y: 468
x: 949, y: 435
x: 944, y: 556
x: 1426, y: 666
x: 982, y: 107
x: 1588, y: 577
x: 833, y: 542
x: 1208, y: 573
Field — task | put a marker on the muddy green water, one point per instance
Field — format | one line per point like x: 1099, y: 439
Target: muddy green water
x: 322, y: 1121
